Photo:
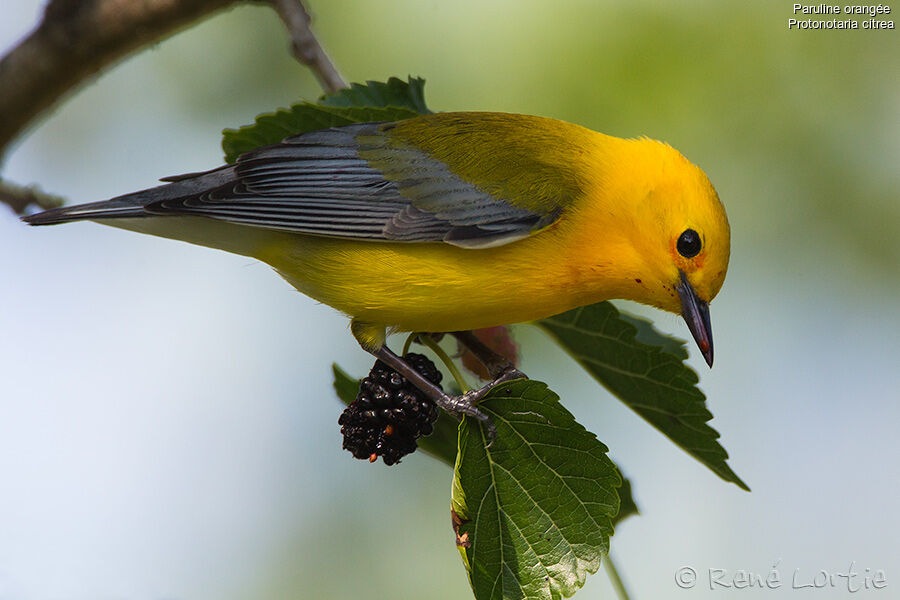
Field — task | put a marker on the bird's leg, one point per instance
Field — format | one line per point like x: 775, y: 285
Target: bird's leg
x: 499, y: 367
x: 455, y: 405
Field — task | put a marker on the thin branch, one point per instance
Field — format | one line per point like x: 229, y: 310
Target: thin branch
x: 19, y: 198
x: 75, y: 40
x: 429, y: 341
x: 614, y: 578
x: 306, y: 46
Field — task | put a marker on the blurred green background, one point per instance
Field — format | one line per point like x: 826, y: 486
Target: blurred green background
x: 167, y: 425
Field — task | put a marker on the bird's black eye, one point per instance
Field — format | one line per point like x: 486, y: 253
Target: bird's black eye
x: 689, y: 243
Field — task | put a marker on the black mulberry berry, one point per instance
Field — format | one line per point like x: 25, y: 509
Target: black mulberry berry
x: 389, y: 412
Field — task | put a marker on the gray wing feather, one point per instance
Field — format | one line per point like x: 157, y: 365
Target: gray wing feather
x: 317, y: 183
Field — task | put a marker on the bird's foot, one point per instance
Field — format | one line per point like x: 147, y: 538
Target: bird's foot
x: 466, y: 404
x: 458, y: 406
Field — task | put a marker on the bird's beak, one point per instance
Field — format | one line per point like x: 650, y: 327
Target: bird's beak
x: 696, y: 314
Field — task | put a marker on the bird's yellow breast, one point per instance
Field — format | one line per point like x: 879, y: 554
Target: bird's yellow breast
x: 435, y: 286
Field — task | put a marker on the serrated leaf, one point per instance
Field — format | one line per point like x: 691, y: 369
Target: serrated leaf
x: 441, y: 444
x: 271, y: 128
x: 536, y: 507
x: 394, y: 92
x: 650, y: 380
x: 373, y: 102
x: 627, y: 505
x: 648, y: 334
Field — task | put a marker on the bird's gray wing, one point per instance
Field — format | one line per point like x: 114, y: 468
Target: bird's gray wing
x: 317, y: 183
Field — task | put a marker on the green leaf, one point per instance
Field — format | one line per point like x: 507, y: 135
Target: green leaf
x: 345, y: 386
x: 535, y: 509
x: 271, y: 128
x: 441, y: 444
x: 372, y: 102
x: 652, y: 380
x: 627, y: 506
x: 395, y: 92
x: 647, y: 334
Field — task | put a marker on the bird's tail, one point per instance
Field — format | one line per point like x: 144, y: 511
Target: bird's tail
x: 135, y: 204
x: 123, y: 206
x: 140, y: 212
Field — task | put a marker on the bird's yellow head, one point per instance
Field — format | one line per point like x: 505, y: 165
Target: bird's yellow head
x: 665, y: 232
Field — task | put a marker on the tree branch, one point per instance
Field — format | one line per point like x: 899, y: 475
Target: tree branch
x: 306, y: 46
x: 74, y: 41
x: 77, y: 39
x: 19, y: 198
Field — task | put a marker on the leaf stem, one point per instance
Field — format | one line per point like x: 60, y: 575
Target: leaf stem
x: 445, y: 358
x: 614, y: 578
x: 409, y: 340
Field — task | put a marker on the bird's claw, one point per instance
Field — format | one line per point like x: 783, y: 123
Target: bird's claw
x: 509, y: 374
x: 466, y: 404
x: 458, y: 406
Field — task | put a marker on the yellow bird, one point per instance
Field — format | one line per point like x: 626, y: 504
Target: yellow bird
x: 454, y: 221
